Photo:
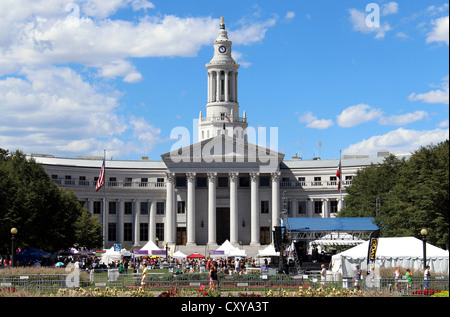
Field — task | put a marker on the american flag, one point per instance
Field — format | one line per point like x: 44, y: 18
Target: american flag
x: 227, y: 119
x: 338, y: 175
x: 101, y: 177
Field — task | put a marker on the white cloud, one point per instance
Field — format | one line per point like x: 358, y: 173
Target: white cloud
x: 120, y: 68
x: 290, y: 15
x: 398, y: 141
x: 440, y: 32
x: 53, y: 110
x: 315, y: 123
x: 251, y: 32
x: 355, y: 115
x: 434, y: 96
x: 389, y: 8
x: 358, y: 20
x: 403, y: 119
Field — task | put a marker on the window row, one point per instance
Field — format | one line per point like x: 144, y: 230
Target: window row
x: 128, y: 231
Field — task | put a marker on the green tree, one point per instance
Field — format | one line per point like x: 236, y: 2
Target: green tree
x: 420, y: 198
x: 413, y: 194
x: 88, y: 231
x: 371, y: 184
x: 43, y: 213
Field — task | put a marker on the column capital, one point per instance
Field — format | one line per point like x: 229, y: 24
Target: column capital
x: 190, y: 177
x: 170, y: 177
x: 275, y: 176
x: 254, y: 177
x: 233, y: 177
x: 212, y: 176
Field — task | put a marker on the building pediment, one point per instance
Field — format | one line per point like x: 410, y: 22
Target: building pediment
x: 223, y: 154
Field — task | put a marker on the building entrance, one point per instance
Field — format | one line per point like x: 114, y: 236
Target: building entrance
x: 222, y: 224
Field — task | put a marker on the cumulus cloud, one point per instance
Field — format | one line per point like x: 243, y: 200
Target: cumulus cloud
x: 315, y: 123
x: 54, y: 110
x: 440, y: 32
x: 398, y: 141
x: 440, y: 95
x: 355, y: 115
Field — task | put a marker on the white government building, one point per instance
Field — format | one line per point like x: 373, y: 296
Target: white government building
x: 220, y: 188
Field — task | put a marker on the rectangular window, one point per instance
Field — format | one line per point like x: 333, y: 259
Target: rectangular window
x: 143, y: 231
x: 160, y: 231
x: 112, y: 231
x: 180, y: 181
x: 128, y: 208
x: 244, y: 181
x: 318, y: 207
x: 144, y: 208
x: 144, y: 182
x: 128, y: 182
x: 97, y: 208
x: 301, y: 207
x: 181, y: 207
x: 264, y: 181
x: 317, y: 181
x: 112, y: 207
x: 201, y: 182
x: 264, y: 206
x: 334, y: 206
x: 127, y: 231
x: 222, y: 182
x: 160, y: 208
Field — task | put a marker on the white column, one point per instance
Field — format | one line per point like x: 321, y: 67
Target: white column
x: 310, y: 208
x: 190, y: 209
x: 217, y: 86
x: 137, y: 212
x: 234, y: 222
x: 170, y: 210
x: 152, y: 221
x: 120, y: 211
x: 326, y: 208
x: 209, y: 86
x: 226, y: 86
x: 254, y: 209
x: 212, y: 208
x: 275, y: 199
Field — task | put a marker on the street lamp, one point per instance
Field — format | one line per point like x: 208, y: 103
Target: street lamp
x: 424, y: 233
x: 13, y: 250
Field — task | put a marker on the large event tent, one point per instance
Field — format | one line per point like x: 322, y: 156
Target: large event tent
x: 406, y: 252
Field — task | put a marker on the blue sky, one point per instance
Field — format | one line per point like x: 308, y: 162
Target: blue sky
x: 78, y: 77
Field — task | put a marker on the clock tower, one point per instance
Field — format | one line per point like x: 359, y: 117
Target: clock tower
x: 222, y: 108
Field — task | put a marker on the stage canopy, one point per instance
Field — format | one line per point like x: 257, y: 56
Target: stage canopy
x: 316, y: 228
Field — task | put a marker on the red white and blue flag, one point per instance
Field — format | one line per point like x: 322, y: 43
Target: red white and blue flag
x: 338, y: 175
x: 101, y: 177
x: 227, y: 119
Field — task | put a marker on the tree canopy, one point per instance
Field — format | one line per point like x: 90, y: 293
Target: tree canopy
x: 411, y: 194
x: 46, y: 216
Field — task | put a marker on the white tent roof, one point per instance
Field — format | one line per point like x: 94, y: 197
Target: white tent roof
x: 406, y: 252
x: 149, y: 246
x: 268, y: 251
x: 179, y: 255
x: 230, y: 250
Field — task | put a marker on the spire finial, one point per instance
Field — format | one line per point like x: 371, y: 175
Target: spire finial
x: 222, y: 25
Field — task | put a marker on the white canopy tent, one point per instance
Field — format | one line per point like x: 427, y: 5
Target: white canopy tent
x: 230, y: 250
x: 406, y: 252
x: 268, y: 252
x: 150, y: 246
x: 179, y: 255
x: 111, y: 256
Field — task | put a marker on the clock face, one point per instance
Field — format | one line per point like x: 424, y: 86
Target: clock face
x: 222, y: 49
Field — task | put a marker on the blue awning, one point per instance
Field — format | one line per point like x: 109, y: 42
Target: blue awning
x: 332, y: 224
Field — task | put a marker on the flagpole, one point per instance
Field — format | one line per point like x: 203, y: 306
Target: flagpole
x: 340, y: 176
x: 104, y: 200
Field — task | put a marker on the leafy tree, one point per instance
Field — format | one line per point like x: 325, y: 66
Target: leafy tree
x: 43, y: 213
x: 372, y: 183
x: 413, y: 194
